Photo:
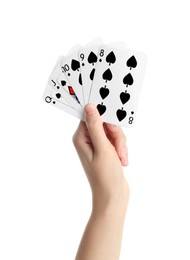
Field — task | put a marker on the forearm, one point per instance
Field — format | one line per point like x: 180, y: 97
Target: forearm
x: 103, y: 234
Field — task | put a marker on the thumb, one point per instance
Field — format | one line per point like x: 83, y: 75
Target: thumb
x: 95, y: 127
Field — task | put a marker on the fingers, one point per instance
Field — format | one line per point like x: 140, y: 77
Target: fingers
x: 118, y: 139
x: 82, y: 142
x: 95, y: 128
x: 79, y: 133
x: 100, y: 135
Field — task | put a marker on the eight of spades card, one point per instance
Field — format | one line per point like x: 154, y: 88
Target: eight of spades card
x: 117, y: 84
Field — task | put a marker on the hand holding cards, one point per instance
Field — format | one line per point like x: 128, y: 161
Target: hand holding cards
x: 108, y: 76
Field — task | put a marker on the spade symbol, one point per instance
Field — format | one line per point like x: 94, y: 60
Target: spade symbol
x: 107, y: 75
x: 101, y: 109
x: 75, y: 65
x: 104, y: 92
x: 92, y: 74
x: 111, y: 58
x: 121, y: 114
x: 63, y: 82
x: 128, y: 79
x: 92, y: 58
x: 58, y: 95
x: 80, y: 79
x: 124, y: 96
x: 132, y: 62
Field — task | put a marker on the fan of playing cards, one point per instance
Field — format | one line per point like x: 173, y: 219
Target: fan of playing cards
x: 107, y: 75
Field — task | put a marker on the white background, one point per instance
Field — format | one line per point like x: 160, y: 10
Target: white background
x: 45, y: 199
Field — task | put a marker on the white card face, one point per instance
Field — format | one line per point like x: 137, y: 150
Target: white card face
x: 117, y: 84
x: 62, y: 94
x: 50, y: 96
x: 71, y: 68
x: 63, y: 82
x: 63, y: 87
x: 88, y: 58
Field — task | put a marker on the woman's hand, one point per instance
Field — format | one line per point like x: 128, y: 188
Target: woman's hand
x: 102, y: 151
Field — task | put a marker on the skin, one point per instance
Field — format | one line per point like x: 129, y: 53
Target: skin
x: 102, y: 150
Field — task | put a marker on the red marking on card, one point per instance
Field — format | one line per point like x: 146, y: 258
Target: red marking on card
x: 71, y: 91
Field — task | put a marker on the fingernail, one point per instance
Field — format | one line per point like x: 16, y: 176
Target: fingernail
x: 124, y: 152
x: 89, y: 110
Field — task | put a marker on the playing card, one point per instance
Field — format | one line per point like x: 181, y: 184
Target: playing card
x: 71, y: 68
x: 62, y: 94
x: 88, y: 58
x: 54, y: 98
x: 117, y: 84
x: 63, y: 87
x: 110, y: 76
x: 63, y: 82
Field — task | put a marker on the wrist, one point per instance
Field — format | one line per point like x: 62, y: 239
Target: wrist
x: 111, y: 204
